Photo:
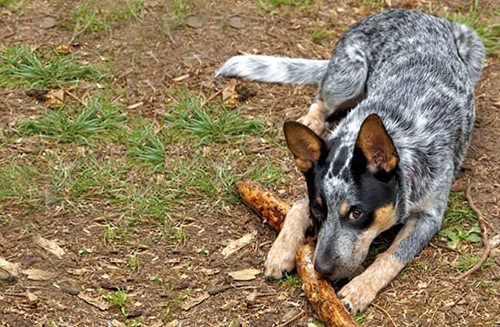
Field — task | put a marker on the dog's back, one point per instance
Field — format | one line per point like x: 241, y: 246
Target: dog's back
x: 421, y: 74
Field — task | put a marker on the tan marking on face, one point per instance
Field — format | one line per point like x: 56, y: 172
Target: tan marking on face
x: 385, y: 218
x: 344, y: 209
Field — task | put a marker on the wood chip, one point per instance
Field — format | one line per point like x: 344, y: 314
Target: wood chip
x: 245, y: 274
x: 135, y: 105
x: 181, y: 78
x: 117, y: 323
x: 50, y: 246
x: 31, y: 296
x: 193, y: 21
x: 194, y: 302
x: 236, y: 22
x: 37, y: 274
x: 96, y: 302
x: 238, y: 244
x: 252, y: 296
x: 173, y: 323
x: 8, y: 270
x: 76, y: 272
x: 48, y: 21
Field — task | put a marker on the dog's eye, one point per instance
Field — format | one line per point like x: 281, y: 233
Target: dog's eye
x: 355, y: 214
x: 317, y: 211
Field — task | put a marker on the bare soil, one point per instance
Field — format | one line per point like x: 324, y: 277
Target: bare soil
x: 147, y: 58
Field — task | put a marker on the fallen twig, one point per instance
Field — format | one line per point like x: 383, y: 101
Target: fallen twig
x: 386, y: 313
x: 484, y: 235
x: 204, y: 103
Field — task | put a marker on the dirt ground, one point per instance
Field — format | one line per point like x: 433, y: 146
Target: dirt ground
x: 150, y: 58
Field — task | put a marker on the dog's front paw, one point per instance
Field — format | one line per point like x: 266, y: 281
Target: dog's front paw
x: 280, y: 259
x: 357, y: 295
x: 315, y: 123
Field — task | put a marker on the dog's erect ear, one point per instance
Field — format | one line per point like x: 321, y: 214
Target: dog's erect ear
x: 305, y: 145
x: 376, y: 145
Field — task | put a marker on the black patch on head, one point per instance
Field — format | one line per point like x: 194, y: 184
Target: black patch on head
x: 340, y: 159
x: 374, y: 190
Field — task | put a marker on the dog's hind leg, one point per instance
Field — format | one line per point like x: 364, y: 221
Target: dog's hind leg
x: 281, y: 257
x: 343, y: 85
x: 410, y: 240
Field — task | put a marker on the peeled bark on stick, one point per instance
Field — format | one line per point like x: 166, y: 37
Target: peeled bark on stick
x: 319, y: 292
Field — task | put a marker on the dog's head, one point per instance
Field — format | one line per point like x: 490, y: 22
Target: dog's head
x: 352, y: 191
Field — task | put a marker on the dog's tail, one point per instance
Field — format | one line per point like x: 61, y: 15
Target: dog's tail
x: 471, y: 50
x: 269, y: 69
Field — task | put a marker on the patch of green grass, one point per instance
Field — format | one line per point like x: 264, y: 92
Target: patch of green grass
x: 109, y: 234
x: 458, y: 210
x: 375, y: 250
x: 146, y: 146
x: 20, y: 183
x: 96, y: 121
x: 12, y: 5
x: 317, y: 323
x: 468, y: 260
x: 118, y: 299
x: 361, y: 317
x: 93, y: 17
x: 187, y: 119
x: 180, y: 9
x: 320, y: 35
x: 373, y: 4
x: 42, y: 69
x: 268, y: 5
x: 456, y: 234
x: 134, y: 261
x: 265, y: 173
x: 292, y: 281
x: 487, y: 29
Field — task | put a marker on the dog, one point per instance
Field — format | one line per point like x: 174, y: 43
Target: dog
x: 408, y: 79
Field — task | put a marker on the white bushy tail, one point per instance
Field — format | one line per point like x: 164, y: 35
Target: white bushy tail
x: 270, y: 69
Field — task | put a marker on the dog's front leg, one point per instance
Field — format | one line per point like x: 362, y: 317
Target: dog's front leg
x: 281, y: 257
x: 412, y: 237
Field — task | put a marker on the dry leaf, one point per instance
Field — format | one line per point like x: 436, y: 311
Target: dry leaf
x: 50, y: 246
x: 194, y: 302
x: 245, y: 274
x: 54, y: 98
x: 64, y: 49
x: 236, y: 245
x: 96, y: 302
x: 229, y: 93
x: 37, y: 274
x: 10, y: 270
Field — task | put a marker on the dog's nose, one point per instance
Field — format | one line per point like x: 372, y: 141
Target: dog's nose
x: 323, y: 267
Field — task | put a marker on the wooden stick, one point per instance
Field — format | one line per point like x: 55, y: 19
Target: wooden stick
x: 484, y: 235
x: 319, y: 292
